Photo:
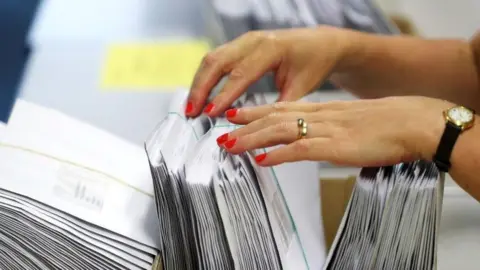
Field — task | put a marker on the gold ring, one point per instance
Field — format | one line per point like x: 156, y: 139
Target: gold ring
x: 302, y: 128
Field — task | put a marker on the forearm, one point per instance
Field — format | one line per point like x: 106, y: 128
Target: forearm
x: 378, y: 66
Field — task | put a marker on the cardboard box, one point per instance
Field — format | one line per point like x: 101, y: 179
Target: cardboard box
x: 335, y: 194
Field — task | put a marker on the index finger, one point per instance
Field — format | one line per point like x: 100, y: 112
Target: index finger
x: 247, y: 115
x: 213, y: 67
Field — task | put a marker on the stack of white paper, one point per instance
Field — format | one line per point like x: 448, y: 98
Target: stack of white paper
x: 392, y: 220
x: 72, y: 196
x: 222, y: 211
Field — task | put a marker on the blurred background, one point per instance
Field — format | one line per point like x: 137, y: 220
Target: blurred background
x: 62, y: 53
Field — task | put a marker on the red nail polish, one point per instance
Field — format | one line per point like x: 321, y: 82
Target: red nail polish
x: 260, y: 157
x: 222, y: 139
x: 230, y: 143
x: 231, y: 113
x: 189, y: 107
x: 209, y: 108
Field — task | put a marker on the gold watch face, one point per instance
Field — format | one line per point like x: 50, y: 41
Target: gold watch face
x: 460, y: 116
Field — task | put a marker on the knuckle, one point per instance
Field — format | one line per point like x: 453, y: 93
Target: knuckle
x: 210, y: 59
x: 273, y: 116
x: 280, y: 107
x: 268, y: 120
x: 283, y: 128
x: 269, y: 39
x: 335, y: 154
x: 302, y: 146
x: 237, y: 73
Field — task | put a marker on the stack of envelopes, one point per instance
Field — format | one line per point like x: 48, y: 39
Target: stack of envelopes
x: 222, y: 211
x: 216, y: 210
x: 392, y: 220
x: 72, y: 198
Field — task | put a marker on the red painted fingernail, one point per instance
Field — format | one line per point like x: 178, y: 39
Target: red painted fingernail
x: 209, y: 108
x: 222, y: 139
x: 189, y: 107
x: 260, y: 157
x: 230, y: 143
x: 231, y: 113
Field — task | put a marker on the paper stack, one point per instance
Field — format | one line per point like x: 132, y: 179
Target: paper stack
x: 392, y: 220
x: 72, y: 196
x: 220, y: 211
x: 236, y: 17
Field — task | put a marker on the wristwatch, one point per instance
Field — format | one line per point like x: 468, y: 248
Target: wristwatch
x: 457, y: 120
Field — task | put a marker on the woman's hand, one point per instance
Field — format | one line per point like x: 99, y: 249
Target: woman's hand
x: 300, y: 58
x: 356, y: 133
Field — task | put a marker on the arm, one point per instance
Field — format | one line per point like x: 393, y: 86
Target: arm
x: 465, y: 158
x: 447, y: 69
x: 379, y: 66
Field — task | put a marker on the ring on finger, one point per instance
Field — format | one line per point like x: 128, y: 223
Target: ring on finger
x: 302, y: 128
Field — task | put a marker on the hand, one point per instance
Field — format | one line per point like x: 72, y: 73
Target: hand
x: 359, y: 133
x: 300, y: 58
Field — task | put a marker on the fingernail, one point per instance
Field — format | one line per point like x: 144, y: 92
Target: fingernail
x: 231, y: 113
x: 189, y: 107
x: 222, y: 139
x: 230, y: 143
x: 260, y: 157
x: 209, y: 108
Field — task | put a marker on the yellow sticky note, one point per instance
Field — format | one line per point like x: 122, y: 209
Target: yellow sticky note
x: 160, y: 66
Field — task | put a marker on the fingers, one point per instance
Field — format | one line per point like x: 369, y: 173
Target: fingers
x: 270, y: 120
x: 297, y: 88
x: 318, y: 149
x: 213, y: 67
x: 281, y: 133
x: 247, y: 115
x: 247, y: 71
x: 303, y: 83
x: 275, y: 124
x: 239, y: 58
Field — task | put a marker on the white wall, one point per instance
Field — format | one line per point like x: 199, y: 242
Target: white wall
x: 439, y: 18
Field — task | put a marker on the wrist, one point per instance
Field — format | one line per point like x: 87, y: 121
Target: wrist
x: 353, y: 49
x: 428, y: 129
x: 444, y: 138
x: 429, y: 139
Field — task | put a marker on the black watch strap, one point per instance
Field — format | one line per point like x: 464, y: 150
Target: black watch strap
x: 445, y: 147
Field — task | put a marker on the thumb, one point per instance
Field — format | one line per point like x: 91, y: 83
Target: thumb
x: 301, y: 85
x: 291, y: 93
x: 296, y: 89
